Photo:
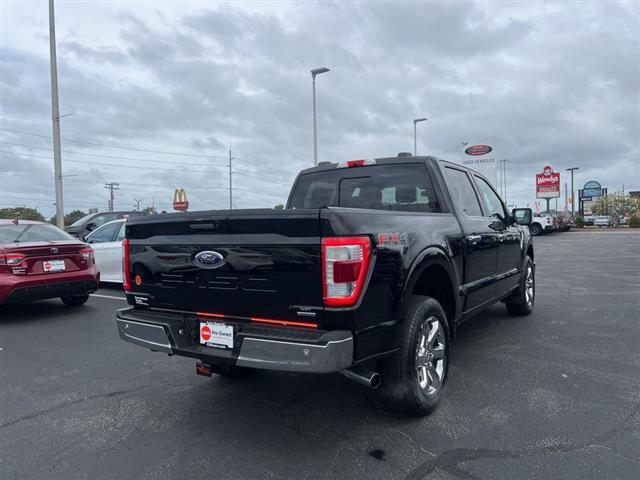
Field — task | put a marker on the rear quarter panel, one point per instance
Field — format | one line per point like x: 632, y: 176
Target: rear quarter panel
x: 399, y: 240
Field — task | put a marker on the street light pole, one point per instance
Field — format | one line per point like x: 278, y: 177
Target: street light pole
x: 573, y: 195
x: 415, y: 134
x: 55, y: 117
x: 314, y: 72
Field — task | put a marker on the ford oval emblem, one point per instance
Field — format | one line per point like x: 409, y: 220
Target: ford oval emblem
x: 209, y: 259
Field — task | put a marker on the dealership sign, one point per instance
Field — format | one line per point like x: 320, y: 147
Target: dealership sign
x: 180, y: 201
x: 476, y: 150
x: 591, y: 189
x: 547, y: 183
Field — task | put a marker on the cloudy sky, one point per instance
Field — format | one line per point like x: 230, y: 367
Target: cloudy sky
x: 161, y: 91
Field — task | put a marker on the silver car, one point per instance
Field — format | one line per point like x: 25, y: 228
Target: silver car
x: 602, y: 221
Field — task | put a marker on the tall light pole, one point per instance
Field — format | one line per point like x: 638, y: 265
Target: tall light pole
x: 573, y: 195
x: 415, y: 135
x: 314, y: 72
x: 503, y: 179
x: 230, y: 182
x: 55, y: 117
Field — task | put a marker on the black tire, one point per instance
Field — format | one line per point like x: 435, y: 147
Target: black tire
x: 76, y: 300
x: 522, y: 301
x: 401, y: 384
x: 535, y: 229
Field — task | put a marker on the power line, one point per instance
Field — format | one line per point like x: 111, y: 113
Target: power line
x: 111, y: 156
x: 86, y: 162
x: 121, y: 147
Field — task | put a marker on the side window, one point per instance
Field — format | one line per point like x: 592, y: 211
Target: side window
x: 103, y: 234
x: 462, y: 191
x: 120, y: 236
x: 492, y: 203
x: 99, y: 220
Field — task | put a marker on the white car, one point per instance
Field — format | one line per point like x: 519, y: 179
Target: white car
x: 106, y: 242
x: 602, y: 221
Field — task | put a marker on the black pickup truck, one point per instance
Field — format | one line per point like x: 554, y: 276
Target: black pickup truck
x: 368, y: 271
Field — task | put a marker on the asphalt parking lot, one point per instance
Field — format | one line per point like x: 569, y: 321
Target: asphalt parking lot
x: 552, y: 396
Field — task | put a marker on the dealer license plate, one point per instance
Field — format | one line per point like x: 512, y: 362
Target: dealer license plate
x: 53, y: 266
x: 218, y: 335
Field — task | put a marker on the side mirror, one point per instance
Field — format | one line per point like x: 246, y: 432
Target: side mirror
x: 523, y: 216
x: 91, y: 225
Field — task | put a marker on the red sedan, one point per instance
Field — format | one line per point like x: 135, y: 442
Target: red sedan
x: 38, y: 261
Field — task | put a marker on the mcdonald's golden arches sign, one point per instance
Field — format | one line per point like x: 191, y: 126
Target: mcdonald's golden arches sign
x: 180, y: 201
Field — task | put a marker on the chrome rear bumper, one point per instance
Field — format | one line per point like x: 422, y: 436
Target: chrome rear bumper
x: 326, y: 353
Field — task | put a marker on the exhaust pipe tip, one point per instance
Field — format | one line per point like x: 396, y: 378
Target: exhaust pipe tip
x: 363, y: 376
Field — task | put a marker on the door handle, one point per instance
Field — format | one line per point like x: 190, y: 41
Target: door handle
x: 474, y: 238
x: 501, y: 237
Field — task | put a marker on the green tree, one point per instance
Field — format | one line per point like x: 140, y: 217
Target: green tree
x: 23, y: 213
x: 617, y: 205
x: 70, y: 217
x: 279, y: 207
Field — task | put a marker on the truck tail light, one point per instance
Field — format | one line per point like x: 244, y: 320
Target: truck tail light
x: 126, y: 272
x: 345, y: 261
x: 87, y: 253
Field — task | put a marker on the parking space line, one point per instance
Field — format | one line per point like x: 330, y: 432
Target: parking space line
x: 107, y: 296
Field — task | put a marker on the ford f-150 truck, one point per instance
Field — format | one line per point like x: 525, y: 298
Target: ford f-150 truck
x: 368, y: 272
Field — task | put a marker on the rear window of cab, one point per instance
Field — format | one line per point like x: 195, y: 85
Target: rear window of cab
x: 396, y: 187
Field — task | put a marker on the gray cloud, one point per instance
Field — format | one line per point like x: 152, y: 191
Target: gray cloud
x: 544, y: 83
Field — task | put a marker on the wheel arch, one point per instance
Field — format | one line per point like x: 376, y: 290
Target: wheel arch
x: 433, y: 275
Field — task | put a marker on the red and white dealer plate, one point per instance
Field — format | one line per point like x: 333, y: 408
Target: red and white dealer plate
x: 215, y: 334
x: 53, y: 266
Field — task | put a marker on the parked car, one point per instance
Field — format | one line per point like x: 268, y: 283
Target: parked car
x: 85, y: 225
x: 566, y: 223
x: 589, y: 220
x: 106, y: 242
x: 542, y: 224
x: 39, y: 261
x: 623, y: 221
x: 367, y: 272
x: 602, y: 221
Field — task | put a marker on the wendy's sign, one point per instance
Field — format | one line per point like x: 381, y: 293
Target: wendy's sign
x: 476, y: 150
x: 547, y: 183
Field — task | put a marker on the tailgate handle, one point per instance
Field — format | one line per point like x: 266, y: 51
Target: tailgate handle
x: 204, y: 226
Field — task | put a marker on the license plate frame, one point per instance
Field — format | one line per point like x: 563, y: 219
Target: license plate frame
x: 217, y: 335
x: 53, y: 266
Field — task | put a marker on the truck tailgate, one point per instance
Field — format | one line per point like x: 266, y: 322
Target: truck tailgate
x: 269, y: 266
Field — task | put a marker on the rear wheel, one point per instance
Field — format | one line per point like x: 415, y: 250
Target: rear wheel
x: 523, y: 299
x: 412, y: 379
x: 535, y: 229
x: 75, y: 300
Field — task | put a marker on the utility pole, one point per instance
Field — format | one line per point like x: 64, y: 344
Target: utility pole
x: 573, y: 196
x: 111, y: 186
x: 566, y: 198
x: 138, y: 203
x: 55, y: 117
x: 230, y: 182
